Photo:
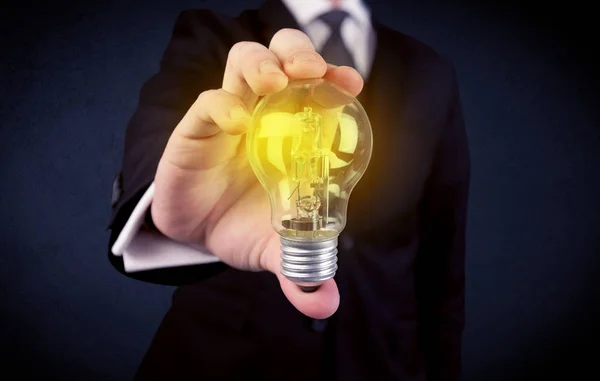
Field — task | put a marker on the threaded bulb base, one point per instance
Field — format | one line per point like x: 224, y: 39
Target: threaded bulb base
x: 309, y: 262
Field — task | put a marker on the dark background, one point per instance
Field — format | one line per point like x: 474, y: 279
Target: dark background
x: 70, y: 77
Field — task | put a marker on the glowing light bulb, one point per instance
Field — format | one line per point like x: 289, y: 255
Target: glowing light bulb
x: 309, y: 145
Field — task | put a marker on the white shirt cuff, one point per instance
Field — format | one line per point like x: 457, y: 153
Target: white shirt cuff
x: 144, y: 250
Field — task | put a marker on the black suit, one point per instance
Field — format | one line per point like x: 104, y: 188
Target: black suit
x: 401, y: 261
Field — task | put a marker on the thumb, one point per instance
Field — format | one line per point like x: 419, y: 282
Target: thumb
x: 319, y: 304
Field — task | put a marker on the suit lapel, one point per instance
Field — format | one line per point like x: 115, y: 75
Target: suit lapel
x: 383, y: 80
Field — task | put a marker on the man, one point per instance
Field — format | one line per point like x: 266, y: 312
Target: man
x: 188, y: 212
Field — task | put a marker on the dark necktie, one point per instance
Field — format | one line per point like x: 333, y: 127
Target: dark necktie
x: 334, y: 51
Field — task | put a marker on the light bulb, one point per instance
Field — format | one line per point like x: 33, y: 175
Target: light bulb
x: 309, y: 145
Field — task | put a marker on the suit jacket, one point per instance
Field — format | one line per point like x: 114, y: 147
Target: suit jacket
x: 401, y: 261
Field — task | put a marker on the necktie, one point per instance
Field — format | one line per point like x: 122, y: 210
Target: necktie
x: 334, y: 51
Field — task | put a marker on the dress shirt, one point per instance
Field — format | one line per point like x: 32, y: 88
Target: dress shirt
x: 143, y: 249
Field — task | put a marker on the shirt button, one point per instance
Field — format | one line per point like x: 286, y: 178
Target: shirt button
x: 319, y: 325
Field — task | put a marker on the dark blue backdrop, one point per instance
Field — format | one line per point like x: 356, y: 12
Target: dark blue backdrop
x: 70, y: 79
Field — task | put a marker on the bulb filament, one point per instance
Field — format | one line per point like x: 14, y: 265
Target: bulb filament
x: 310, y: 173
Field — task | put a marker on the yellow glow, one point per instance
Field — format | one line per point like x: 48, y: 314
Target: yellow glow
x: 277, y: 125
x: 349, y: 133
x: 308, y: 150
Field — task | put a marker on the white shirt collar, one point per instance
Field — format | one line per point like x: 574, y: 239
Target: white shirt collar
x: 306, y: 11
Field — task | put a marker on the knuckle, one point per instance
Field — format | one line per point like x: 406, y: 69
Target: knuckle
x: 287, y: 32
x: 239, y: 48
x: 205, y: 96
x: 212, y: 95
x: 235, y: 51
x: 287, y: 35
x: 204, y: 107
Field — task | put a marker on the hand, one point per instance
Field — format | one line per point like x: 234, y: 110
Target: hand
x: 206, y: 191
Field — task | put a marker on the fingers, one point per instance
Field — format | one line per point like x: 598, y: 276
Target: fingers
x: 208, y: 134
x: 341, y: 86
x: 346, y: 78
x: 252, y: 69
x: 297, y: 55
x: 214, y: 111
x: 300, y: 61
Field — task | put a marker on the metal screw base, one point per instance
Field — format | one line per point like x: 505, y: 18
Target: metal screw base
x: 309, y: 261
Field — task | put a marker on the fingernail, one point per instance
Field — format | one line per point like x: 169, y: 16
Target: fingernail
x: 238, y: 112
x: 305, y: 57
x: 269, y: 67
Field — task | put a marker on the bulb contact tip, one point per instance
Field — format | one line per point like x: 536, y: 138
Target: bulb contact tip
x: 309, y: 289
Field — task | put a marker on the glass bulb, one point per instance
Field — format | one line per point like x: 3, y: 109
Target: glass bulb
x: 309, y: 145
